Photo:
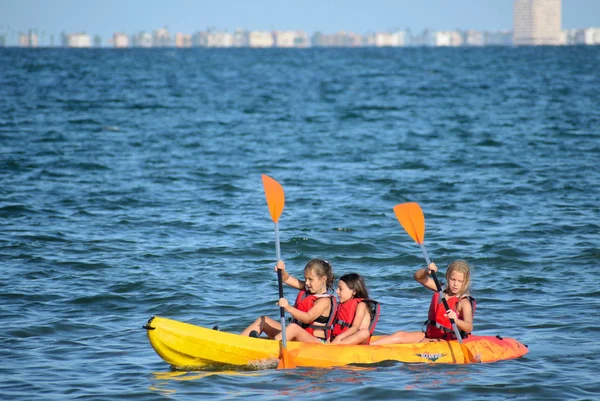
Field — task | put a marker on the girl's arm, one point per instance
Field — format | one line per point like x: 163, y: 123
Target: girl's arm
x: 362, y: 319
x: 287, y: 278
x: 466, y: 323
x: 422, y: 276
x: 313, y: 313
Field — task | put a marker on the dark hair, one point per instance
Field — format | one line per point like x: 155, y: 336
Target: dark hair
x: 321, y: 268
x: 356, y: 283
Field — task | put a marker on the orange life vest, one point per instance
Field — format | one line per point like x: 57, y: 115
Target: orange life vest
x: 438, y: 325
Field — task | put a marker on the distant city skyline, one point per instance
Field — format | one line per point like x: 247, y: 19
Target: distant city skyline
x: 103, y: 18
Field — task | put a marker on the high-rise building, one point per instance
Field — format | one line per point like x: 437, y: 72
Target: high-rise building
x: 447, y: 38
x: 28, y: 39
x: 537, y: 22
x: 161, y: 38
x: 78, y: 39
x: 261, y: 39
x: 183, y: 40
x: 291, y: 39
x: 120, y: 40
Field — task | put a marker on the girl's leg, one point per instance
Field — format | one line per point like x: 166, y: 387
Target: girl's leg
x: 400, y: 337
x: 294, y: 332
x: 270, y: 327
x: 263, y: 324
x: 360, y: 337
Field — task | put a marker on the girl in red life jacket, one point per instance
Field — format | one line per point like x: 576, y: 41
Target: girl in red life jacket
x: 438, y: 326
x: 353, y: 319
x: 312, y: 310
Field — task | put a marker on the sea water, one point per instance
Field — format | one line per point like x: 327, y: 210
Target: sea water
x: 130, y: 186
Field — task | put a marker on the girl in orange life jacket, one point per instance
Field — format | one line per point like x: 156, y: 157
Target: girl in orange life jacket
x: 313, y: 305
x: 352, y: 324
x: 438, y: 325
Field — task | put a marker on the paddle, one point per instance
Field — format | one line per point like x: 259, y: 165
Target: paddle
x: 412, y: 220
x: 276, y: 201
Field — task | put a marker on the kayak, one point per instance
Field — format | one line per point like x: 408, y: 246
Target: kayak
x: 186, y: 346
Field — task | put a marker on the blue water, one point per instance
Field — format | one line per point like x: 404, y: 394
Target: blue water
x: 130, y: 187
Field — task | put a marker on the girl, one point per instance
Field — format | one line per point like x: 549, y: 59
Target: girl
x: 356, y: 315
x: 312, y: 310
x: 438, y: 326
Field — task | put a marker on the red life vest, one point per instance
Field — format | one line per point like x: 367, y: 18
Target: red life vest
x: 345, y: 313
x: 438, y: 325
x: 305, y: 302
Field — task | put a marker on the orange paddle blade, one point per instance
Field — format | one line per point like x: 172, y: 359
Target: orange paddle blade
x: 275, y: 197
x: 411, y: 217
x: 285, y: 360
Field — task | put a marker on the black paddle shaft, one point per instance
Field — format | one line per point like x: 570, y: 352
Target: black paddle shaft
x: 280, y: 283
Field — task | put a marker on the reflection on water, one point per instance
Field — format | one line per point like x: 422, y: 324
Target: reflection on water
x: 431, y: 376
x: 308, y: 380
x: 163, y: 379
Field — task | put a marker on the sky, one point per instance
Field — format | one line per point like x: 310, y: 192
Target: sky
x: 104, y: 17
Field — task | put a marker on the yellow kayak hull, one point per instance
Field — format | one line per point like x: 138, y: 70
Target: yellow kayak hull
x: 185, y: 346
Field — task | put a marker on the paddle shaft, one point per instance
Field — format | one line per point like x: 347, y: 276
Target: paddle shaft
x: 439, y: 288
x: 280, y: 283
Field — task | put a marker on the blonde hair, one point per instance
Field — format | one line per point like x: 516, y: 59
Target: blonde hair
x: 460, y: 266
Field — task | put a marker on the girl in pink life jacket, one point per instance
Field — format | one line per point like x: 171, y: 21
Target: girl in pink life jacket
x: 438, y: 326
x: 313, y: 307
x: 352, y: 324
